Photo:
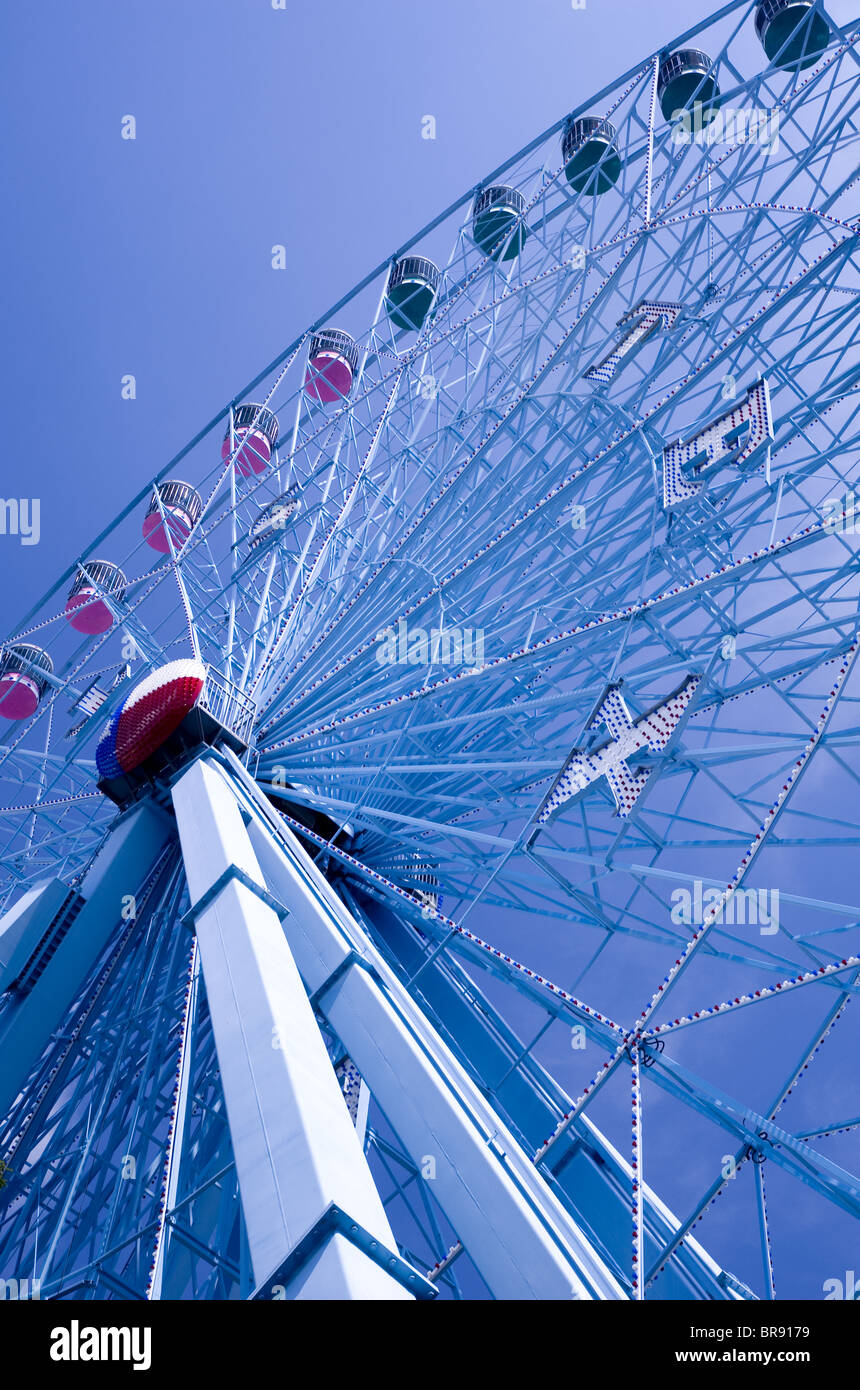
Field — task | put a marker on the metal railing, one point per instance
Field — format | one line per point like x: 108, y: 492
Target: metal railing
x: 228, y: 704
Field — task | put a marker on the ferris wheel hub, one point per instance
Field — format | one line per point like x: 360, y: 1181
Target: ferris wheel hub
x: 164, y: 722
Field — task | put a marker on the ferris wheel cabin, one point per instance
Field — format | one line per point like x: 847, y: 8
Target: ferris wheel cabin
x: 793, y: 33
x: 86, y: 609
x: 497, y: 222
x: 22, y: 680
x: 172, y: 514
x: 255, y: 435
x: 412, y: 288
x: 685, y: 78
x: 332, y: 364
x: 591, y: 160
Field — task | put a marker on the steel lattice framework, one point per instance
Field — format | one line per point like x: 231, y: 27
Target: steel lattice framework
x: 622, y: 463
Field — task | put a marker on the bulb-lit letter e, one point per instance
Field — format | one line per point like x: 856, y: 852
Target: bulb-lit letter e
x: 741, y: 436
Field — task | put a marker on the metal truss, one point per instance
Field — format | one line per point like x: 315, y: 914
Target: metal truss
x: 615, y: 467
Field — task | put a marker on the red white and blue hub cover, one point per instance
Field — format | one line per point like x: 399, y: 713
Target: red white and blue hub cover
x: 148, y: 715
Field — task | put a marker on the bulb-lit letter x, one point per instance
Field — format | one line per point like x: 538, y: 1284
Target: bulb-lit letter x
x: 653, y: 730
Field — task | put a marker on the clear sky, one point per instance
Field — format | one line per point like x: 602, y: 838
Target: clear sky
x: 255, y: 126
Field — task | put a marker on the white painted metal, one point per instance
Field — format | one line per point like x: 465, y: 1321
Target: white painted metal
x: 295, y: 1146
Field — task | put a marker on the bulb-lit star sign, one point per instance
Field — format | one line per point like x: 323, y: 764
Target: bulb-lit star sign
x: 736, y: 437
x: 627, y: 736
x: 638, y: 326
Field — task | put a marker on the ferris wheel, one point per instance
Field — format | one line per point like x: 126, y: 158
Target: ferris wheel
x: 416, y: 800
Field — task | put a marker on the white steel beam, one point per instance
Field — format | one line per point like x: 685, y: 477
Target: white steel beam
x: 297, y: 1152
